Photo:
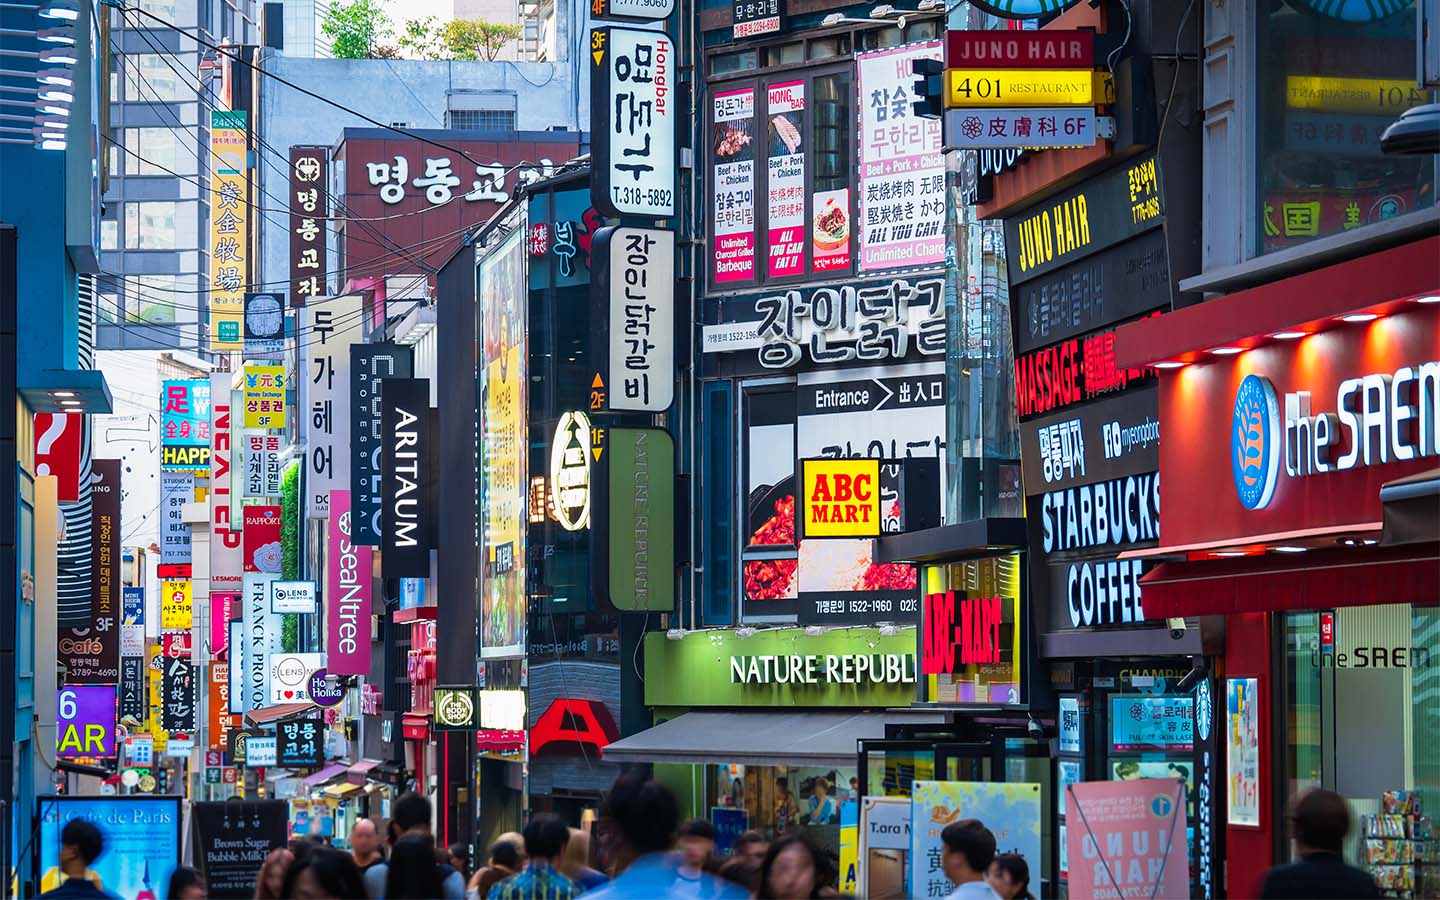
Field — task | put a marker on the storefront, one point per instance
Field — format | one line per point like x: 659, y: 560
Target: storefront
x: 1286, y: 410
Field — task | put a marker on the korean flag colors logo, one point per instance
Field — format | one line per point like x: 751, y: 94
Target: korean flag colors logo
x: 1255, y: 442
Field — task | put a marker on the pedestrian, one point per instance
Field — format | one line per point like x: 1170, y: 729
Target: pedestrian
x: 411, y: 816
x: 752, y: 845
x: 541, y: 879
x: 81, y: 843
x: 787, y: 808
x: 969, y: 849
x: 271, y: 880
x: 575, y: 861
x: 1319, y: 822
x: 412, y: 872
x: 459, y: 858
x: 742, y: 872
x: 822, y: 806
x: 365, y: 844
x: 323, y: 873
x: 794, y: 868
x: 640, y: 817
x: 1009, y: 877
x: 186, y: 884
x: 503, y: 862
x: 697, y: 844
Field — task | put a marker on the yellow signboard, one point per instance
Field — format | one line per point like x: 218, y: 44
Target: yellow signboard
x: 176, y: 604
x: 229, y: 245
x: 264, y: 396
x: 966, y: 88
x: 841, y: 497
x: 156, y: 665
x: 1377, y: 96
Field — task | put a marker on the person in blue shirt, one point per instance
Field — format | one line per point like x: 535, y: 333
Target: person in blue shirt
x: 822, y: 806
x: 545, y: 839
x: 81, y: 843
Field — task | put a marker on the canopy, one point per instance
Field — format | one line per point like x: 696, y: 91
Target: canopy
x: 1411, y: 509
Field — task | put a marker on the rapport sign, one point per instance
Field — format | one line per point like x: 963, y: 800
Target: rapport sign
x: 841, y: 497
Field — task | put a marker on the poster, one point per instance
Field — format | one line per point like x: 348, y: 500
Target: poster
x: 1126, y: 835
x: 184, y: 424
x: 503, y: 311
x: 142, y: 842
x: 1242, y: 736
x: 884, y: 853
x: 347, y: 593
x: 231, y: 841
x: 1067, y: 772
x: 1141, y: 722
x: 176, y: 490
x: 263, y: 391
x: 1069, y: 724
x: 261, y: 539
x: 902, y: 168
x: 1010, y: 810
x: 732, y: 133
x: 830, y: 231
x: 176, y: 604
x: 786, y: 184
x: 85, y: 718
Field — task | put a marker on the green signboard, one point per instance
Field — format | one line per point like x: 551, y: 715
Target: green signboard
x: 640, y: 496
x: 855, y: 667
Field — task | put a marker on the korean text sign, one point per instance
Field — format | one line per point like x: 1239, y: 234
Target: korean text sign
x: 1145, y: 722
x: 309, y: 204
x: 637, y: 286
x: 184, y: 424
x: 264, y: 396
x: 633, y: 133
x: 1130, y: 835
x: 176, y: 604
x: 733, y: 137
x: 1011, y: 811
x: 331, y: 328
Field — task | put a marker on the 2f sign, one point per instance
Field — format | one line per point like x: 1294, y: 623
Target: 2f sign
x: 841, y: 497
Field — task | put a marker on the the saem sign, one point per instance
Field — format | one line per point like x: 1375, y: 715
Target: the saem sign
x: 347, y: 594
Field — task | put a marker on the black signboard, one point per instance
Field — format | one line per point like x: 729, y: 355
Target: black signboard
x: 1098, y: 213
x: 1107, y: 438
x: 757, y: 18
x: 1095, y: 593
x: 264, y: 325
x: 237, y: 742
x: 1109, y: 287
x: 91, y: 655
x: 864, y: 606
x: 408, y: 475
x: 300, y: 742
x: 370, y: 364
x: 177, y: 696
x: 132, y: 688
x: 232, y: 839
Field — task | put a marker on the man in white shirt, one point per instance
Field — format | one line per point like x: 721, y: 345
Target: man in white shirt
x: 969, y: 850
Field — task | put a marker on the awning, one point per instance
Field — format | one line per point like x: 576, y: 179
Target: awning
x: 331, y: 771
x: 760, y: 738
x: 972, y: 539
x: 341, y: 790
x: 1319, y: 579
x: 357, y: 773
x: 268, y: 714
x: 1411, y: 509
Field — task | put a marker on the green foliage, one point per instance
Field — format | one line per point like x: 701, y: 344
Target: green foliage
x: 355, y: 29
x: 290, y: 547
x: 423, y: 39
x: 474, y: 39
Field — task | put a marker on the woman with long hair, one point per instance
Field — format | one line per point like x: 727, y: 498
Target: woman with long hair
x: 794, y: 868
x: 271, y: 881
x: 413, y: 874
x: 1009, y: 876
x: 324, y: 873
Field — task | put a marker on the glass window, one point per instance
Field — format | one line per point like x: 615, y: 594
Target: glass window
x: 993, y: 580
x: 1328, y: 88
x: 154, y: 151
x: 728, y: 63
x: 159, y: 225
x: 833, y: 115
x: 718, y: 485
x: 107, y: 307
x: 784, y: 54
x: 829, y: 48
x: 165, y: 9
x: 770, y: 556
x: 109, y: 234
x: 777, y: 799
x: 160, y: 299
x: 159, y: 81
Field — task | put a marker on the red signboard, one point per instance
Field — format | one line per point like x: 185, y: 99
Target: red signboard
x: 572, y: 722
x: 57, y: 452
x: 1307, y: 443
x: 960, y: 631
x: 1019, y: 49
x: 1069, y: 372
x: 499, y: 740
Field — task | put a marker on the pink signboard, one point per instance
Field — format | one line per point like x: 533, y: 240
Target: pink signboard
x: 347, y: 595
x: 221, y: 603
x: 786, y: 182
x: 1127, y: 839
x: 732, y: 127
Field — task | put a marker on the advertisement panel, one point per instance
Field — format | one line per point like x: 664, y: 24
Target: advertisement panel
x: 347, y: 593
x: 290, y: 675
x: 226, y: 556
x: 85, y: 719
x: 176, y: 490
x: 1104, y: 440
x: 262, y: 465
x: 262, y: 637
x: 1140, y: 723
x: 91, y: 654
x: 633, y: 122
x: 830, y: 234
x: 884, y: 854
x: 370, y: 366
x: 1127, y: 839
x: 184, y: 424
x: 1011, y: 811
x: 637, y: 289
x: 264, y: 396
x: 292, y: 597
x: 1242, y: 741
x: 132, y: 623
x: 261, y: 545
x: 408, y: 472
x: 231, y: 844
x: 331, y: 326
x: 503, y: 312
x: 57, y: 452
x: 176, y: 604
x: 1070, y: 372
x: 142, y: 841
x: 840, y: 498
x: 222, y: 605
x: 309, y: 236
x: 218, y: 705
x: 229, y: 228
x: 732, y: 130
x: 902, y: 167
x: 264, y: 325
x: 786, y: 183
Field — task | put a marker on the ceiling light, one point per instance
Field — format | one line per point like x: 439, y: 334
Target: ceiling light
x: 1228, y: 553
x: 60, y: 77
x: 62, y: 393
x: 63, y: 55
x: 52, y: 109
x: 66, y: 10
x: 1369, y: 542
x: 64, y: 34
x: 1359, y: 317
x: 1288, y: 335
x: 51, y: 144
x: 1428, y: 298
x: 1226, y: 351
x: 1289, y: 549
x: 69, y: 402
x: 1169, y: 365
x: 55, y: 94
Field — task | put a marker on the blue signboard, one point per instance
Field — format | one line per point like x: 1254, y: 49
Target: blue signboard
x: 142, y: 842
x: 729, y: 823
x: 1140, y: 722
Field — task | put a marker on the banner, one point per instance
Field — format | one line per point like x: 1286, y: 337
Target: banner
x: 733, y: 137
x: 141, y: 836
x: 347, y: 594
x: 262, y: 465
x: 91, y: 655
x: 1242, y: 741
x: 331, y: 327
x: 1011, y: 811
x: 408, y: 497
x: 185, y: 424
x: 85, y: 719
x: 132, y: 623
x: 1127, y: 839
x: 261, y: 542
x: 232, y: 840
x: 176, y: 604
x: 222, y: 605
x: 261, y: 638
x: 264, y: 397
x: 229, y: 228
x: 786, y: 184
x: 176, y: 490
x: 226, y: 559
x: 132, y: 690
x: 178, y: 696
x: 370, y: 365
x: 309, y: 207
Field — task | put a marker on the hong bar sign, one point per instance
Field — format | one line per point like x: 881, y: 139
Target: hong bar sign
x: 1048, y: 127
x: 632, y: 84
x: 637, y: 286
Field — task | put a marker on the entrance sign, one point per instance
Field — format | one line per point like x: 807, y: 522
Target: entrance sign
x: 1127, y: 835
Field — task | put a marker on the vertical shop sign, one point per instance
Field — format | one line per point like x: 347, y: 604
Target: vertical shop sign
x: 176, y: 605
x: 632, y: 99
x: 132, y: 688
x: 264, y: 396
x: 640, y: 494
x: 185, y: 424
x: 261, y: 638
x: 221, y: 720
x: 786, y: 181
x: 636, y: 282
x: 176, y: 490
x: 331, y: 328
x: 264, y: 325
x: 902, y: 166
x: 732, y: 128
x: 347, y: 594
x: 85, y: 721
x: 154, y: 675
x: 91, y: 655
x: 57, y: 452
x: 132, y: 623
x: 221, y: 606
x: 177, y: 691
x: 229, y: 228
x: 236, y: 643
x: 1128, y: 835
x: 262, y: 547
x: 290, y: 675
x: 408, y: 474
x: 309, y: 182
x: 262, y: 465
x: 371, y: 364
x: 226, y: 560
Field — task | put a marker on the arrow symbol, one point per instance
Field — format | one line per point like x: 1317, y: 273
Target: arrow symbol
x: 597, y: 451
x: 145, y: 433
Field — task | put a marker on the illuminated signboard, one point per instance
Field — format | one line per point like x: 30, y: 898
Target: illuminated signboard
x: 1388, y: 96
x: 1031, y: 127
x: 1019, y: 49
x: 1027, y: 87
x: 1069, y: 372
x: 570, y: 472
x: 570, y: 721
x: 963, y: 630
x: 841, y: 497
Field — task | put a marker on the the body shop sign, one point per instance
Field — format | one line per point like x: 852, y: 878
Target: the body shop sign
x: 733, y: 136
x: 632, y: 101
x: 347, y: 594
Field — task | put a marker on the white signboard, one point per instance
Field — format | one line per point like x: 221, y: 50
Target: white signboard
x: 641, y: 281
x: 262, y: 465
x: 292, y: 597
x: 260, y: 752
x: 290, y: 675
x: 260, y: 640
x: 502, y: 709
x: 331, y: 325
x: 635, y: 9
x: 980, y: 129
x: 634, y: 117
x: 176, y: 490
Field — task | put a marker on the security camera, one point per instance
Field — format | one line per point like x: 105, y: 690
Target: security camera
x: 1034, y: 728
x: 1177, y: 628
x: 1198, y: 670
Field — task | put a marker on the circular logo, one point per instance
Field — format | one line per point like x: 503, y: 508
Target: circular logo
x: 1161, y: 805
x: 147, y: 783
x: 129, y: 777
x: 1255, y: 442
x: 456, y: 708
x: 1203, y: 710
x: 323, y: 691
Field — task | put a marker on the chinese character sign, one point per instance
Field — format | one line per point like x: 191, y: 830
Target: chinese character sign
x: 786, y: 161
x: 732, y: 130
x: 331, y: 327
x: 639, y: 285
x: 184, y: 424
x: 309, y: 183
x: 264, y: 396
x: 1141, y: 722
x: 229, y: 228
x: 262, y: 465
x: 1011, y: 811
x: 902, y: 166
x: 632, y: 85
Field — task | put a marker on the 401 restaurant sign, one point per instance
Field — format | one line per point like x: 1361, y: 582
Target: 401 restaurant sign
x: 840, y: 498
x: 632, y: 99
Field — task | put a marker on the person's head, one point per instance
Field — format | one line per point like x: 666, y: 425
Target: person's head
x: 643, y: 813
x: 364, y: 838
x: 186, y: 884
x: 545, y: 838
x: 697, y: 842
x: 576, y: 858
x: 324, y: 873
x: 969, y: 850
x: 752, y: 846
x: 1009, y: 876
x: 782, y: 783
x: 459, y: 857
x: 854, y: 784
x: 81, y: 843
x: 412, y: 872
x: 505, y: 854
x: 742, y: 871
x: 516, y: 840
x: 412, y: 814
x: 271, y: 882
x: 793, y: 868
x: 1321, y: 820
x: 822, y: 787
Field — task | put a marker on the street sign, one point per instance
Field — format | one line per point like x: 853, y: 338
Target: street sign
x: 1028, y: 127
x: 965, y: 88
